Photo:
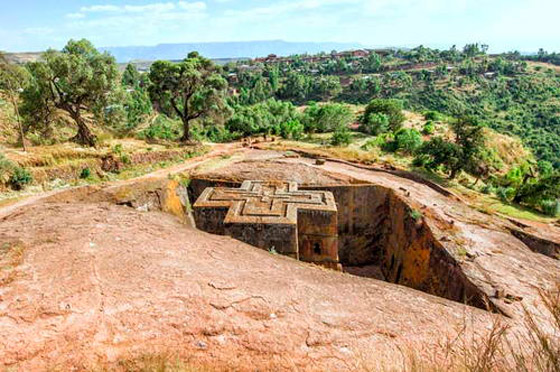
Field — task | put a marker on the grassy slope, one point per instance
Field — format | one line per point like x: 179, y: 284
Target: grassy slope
x: 509, y: 149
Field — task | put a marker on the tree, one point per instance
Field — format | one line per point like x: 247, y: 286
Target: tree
x: 76, y: 80
x: 297, y: 87
x: 546, y: 188
x: 372, y: 63
x: 406, y: 140
x: 327, y: 117
x: 193, y: 88
x: 12, y: 81
x: 464, y: 153
x: 470, y: 138
x: 326, y: 87
x: 392, y: 108
x: 262, y: 118
x: 131, y: 76
x: 438, y: 152
x: 341, y: 136
x: 376, y: 124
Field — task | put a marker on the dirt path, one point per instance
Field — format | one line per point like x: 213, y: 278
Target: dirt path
x: 217, y: 151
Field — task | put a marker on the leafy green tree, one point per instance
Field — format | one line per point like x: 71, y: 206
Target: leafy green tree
x: 292, y: 129
x: 438, y: 152
x: 274, y: 78
x: 75, y: 80
x: 469, y: 136
x: 372, y: 63
x: 406, y: 140
x: 326, y: 117
x: 257, y: 90
x: 137, y: 107
x: 264, y: 117
x: 131, y: 76
x: 429, y: 128
x: 547, y: 188
x: 473, y: 50
x: 376, y: 124
x: 326, y: 87
x: 193, y: 88
x: 296, y: 88
x: 341, y: 136
x: 392, y: 108
x: 362, y: 89
x: 464, y: 153
x: 13, y: 79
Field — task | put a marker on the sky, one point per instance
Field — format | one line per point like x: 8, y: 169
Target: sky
x: 505, y: 25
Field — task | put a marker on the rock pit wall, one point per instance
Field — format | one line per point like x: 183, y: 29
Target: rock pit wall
x: 536, y: 244
x: 377, y: 227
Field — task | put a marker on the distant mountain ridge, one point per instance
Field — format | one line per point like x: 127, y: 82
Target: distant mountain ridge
x: 217, y: 50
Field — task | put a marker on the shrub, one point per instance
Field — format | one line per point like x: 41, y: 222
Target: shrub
x: 214, y: 133
x: 20, y: 177
x: 262, y: 117
x: 429, y: 128
x: 291, y: 129
x: 550, y: 207
x: 505, y: 194
x: 416, y: 215
x: 6, y: 169
x: 432, y: 116
x: 420, y: 161
x: 341, y: 136
x: 117, y: 149
x: 85, y: 173
x: 487, y: 189
x: 327, y: 117
x: 406, y: 140
x: 125, y: 159
x: 162, y: 128
x: 375, y: 124
x: 391, y: 107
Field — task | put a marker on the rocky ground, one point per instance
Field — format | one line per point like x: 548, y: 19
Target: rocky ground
x: 96, y: 275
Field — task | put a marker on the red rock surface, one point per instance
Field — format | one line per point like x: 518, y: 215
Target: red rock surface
x: 85, y: 284
x: 98, y: 282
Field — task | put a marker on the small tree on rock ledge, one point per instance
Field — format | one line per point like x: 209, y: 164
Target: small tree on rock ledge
x: 191, y: 89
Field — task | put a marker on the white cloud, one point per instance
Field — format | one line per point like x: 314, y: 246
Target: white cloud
x: 38, y: 31
x: 75, y: 15
x: 287, y: 7
x: 100, y: 8
x: 146, y: 8
x: 197, y: 6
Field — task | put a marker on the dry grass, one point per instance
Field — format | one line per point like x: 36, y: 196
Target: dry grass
x: 11, y: 256
x: 157, y: 363
x: 509, y: 149
x: 533, y: 347
x: 350, y: 153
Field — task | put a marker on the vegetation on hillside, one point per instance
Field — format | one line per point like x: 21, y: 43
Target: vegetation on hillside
x: 466, y: 97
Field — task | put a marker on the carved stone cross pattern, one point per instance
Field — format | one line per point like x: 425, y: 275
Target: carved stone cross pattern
x: 260, y: 202
x: 273, y: 215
